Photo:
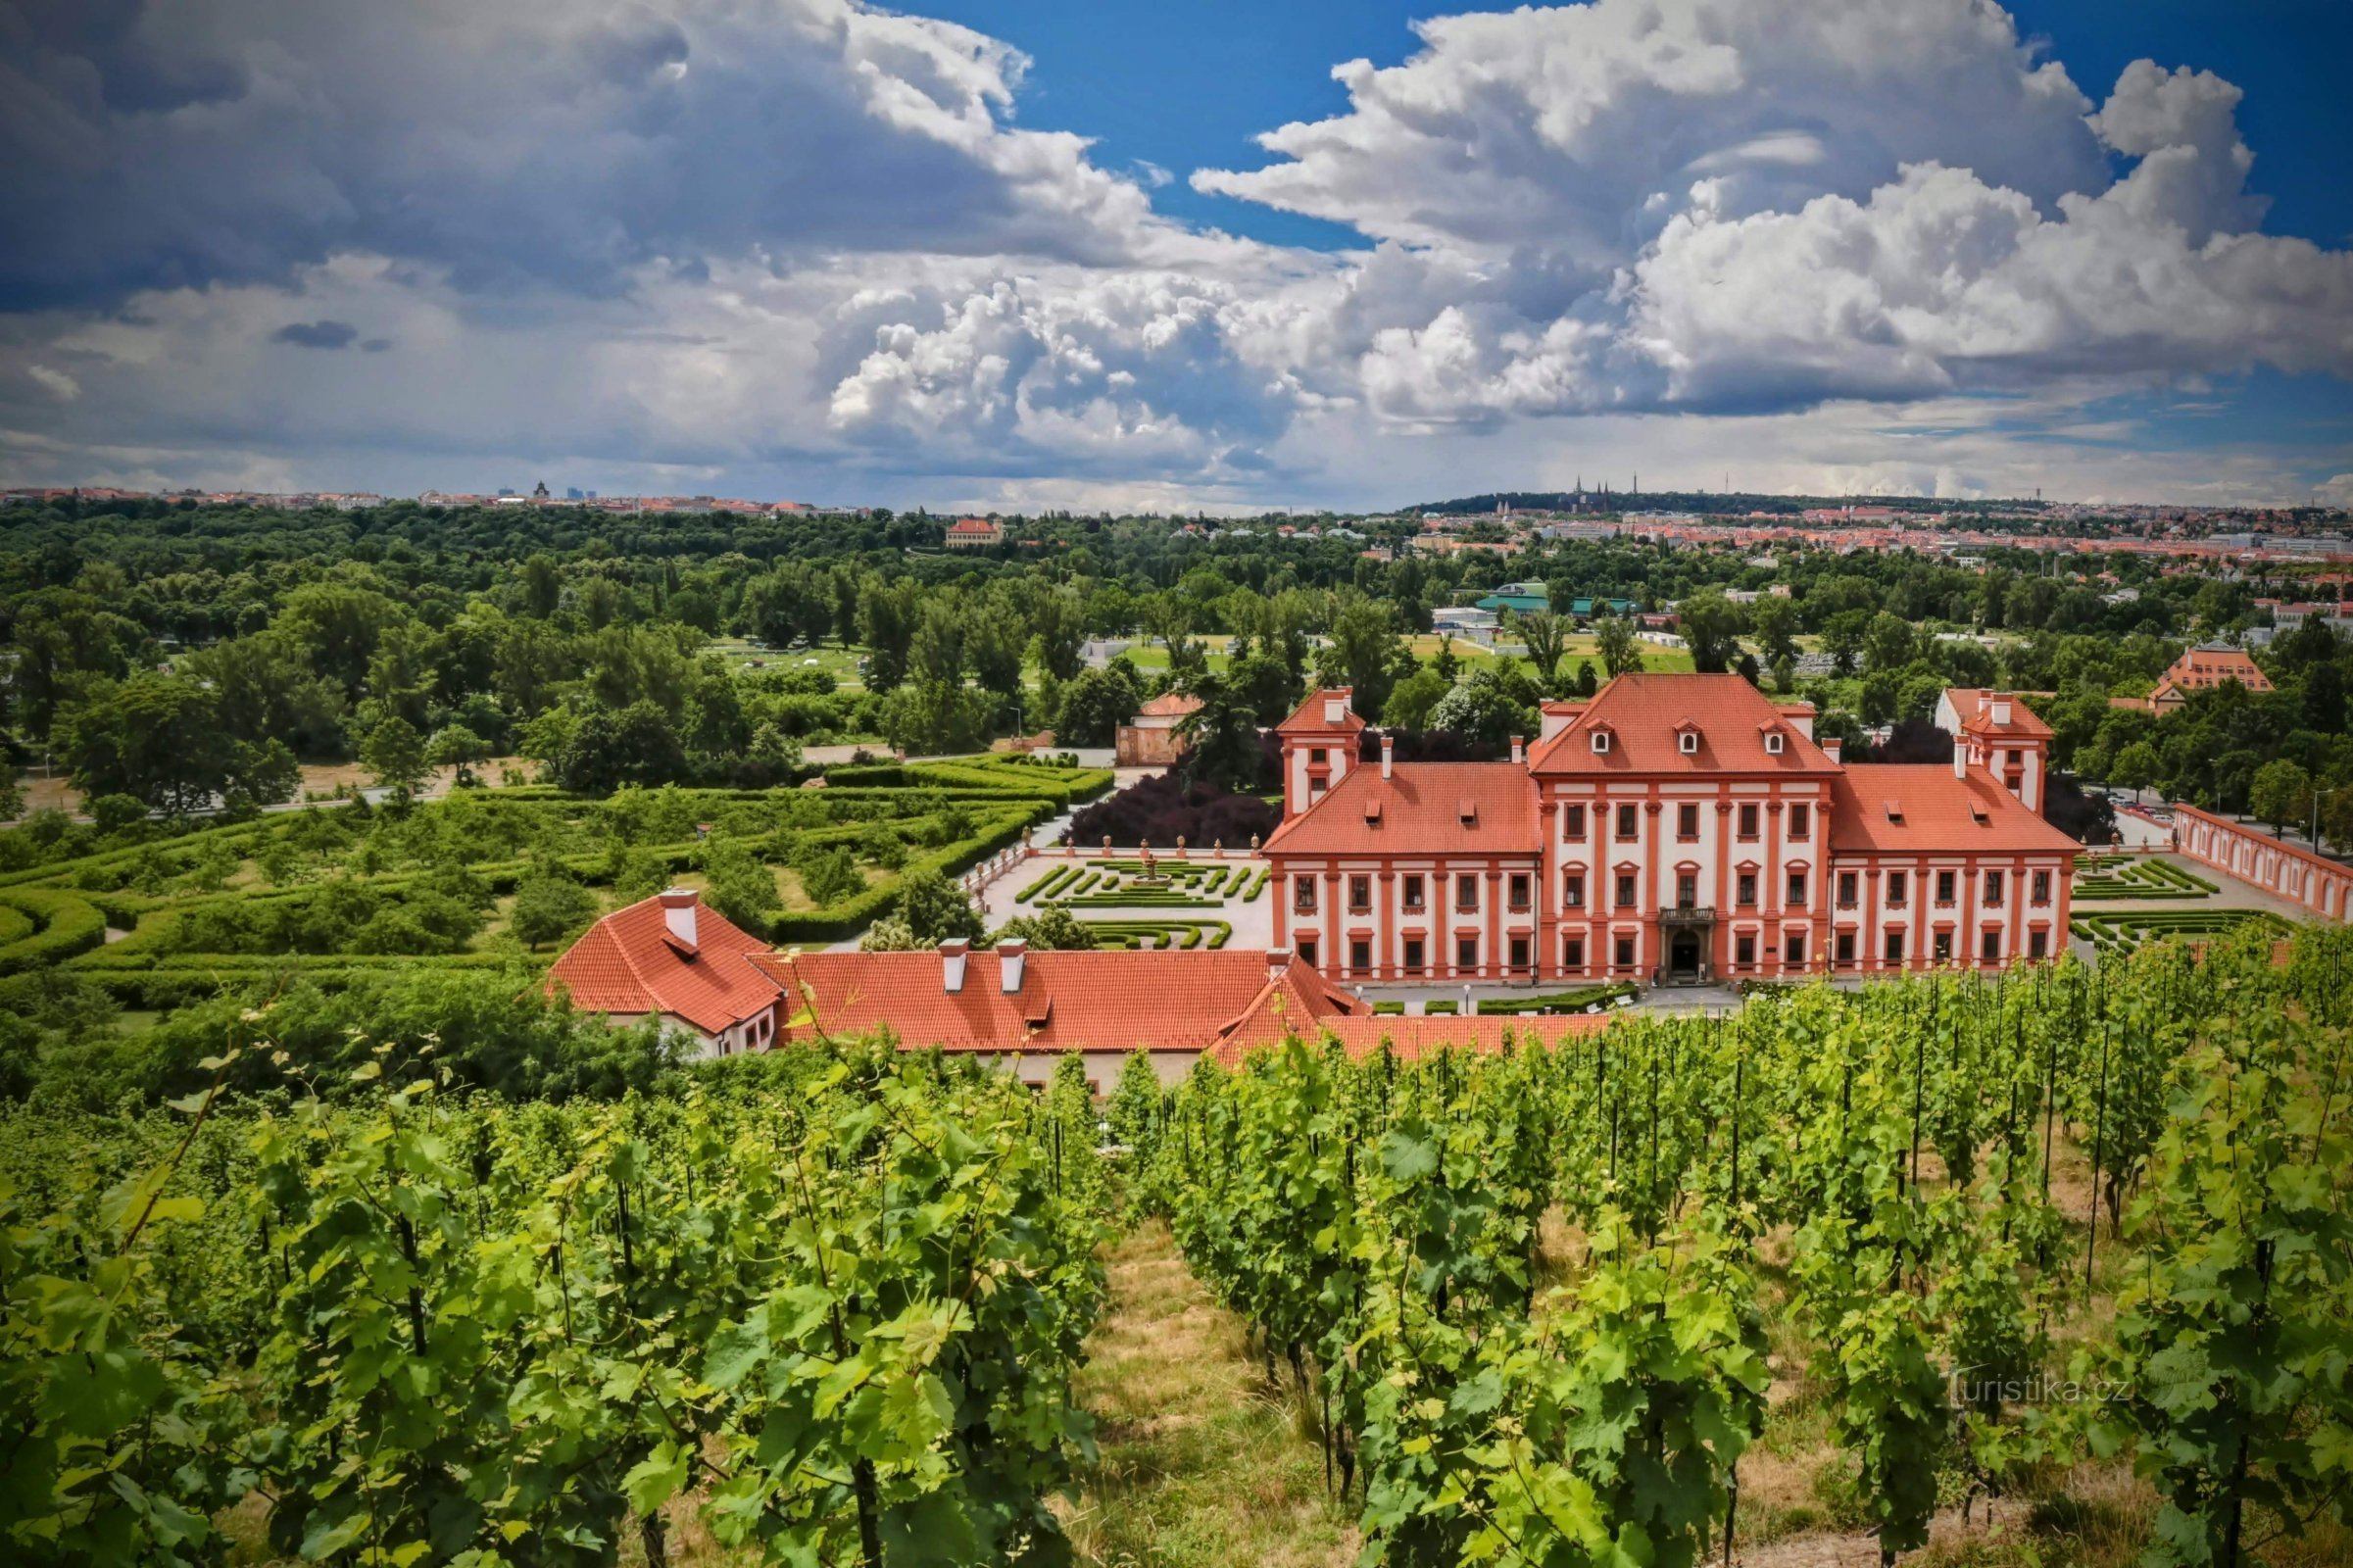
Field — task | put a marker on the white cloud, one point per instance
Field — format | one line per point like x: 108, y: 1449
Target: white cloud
x: 801, y: 244
x: 57, y: 383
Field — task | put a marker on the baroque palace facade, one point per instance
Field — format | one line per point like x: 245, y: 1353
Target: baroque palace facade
x: 1672, y: 828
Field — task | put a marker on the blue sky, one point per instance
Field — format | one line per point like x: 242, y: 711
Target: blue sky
x: 1189, y: 86
x: 1040, y: 253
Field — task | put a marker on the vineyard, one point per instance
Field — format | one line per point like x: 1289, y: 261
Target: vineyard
x: 2068, y: 1247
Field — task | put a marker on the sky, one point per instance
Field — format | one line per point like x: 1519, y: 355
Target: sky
x: 1212, y: 256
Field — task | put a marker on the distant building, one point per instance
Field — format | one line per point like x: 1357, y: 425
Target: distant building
x: 974, y: 534
x: 2203, y: 669
x: 1150, y: 738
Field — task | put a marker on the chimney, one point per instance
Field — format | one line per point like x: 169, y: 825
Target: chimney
x: 1278, y: 963
x: 1010, y: 955
x: 2002, y: 711
x: 678, y: 912
x: 1960, y: 758
x: 1519, y: 750
x: 1833, y: 747
x: 1389, y: 753
x: 952, y: 954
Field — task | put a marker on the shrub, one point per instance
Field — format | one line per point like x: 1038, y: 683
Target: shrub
x: 1160, y: 809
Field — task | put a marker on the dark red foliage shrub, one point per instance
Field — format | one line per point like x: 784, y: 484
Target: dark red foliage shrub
x: 1156, y: 809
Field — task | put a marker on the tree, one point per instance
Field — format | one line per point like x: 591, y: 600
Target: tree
x: 1774, y: 620
x: 2280, y: 793
x: 1057, y: 632
x: 1220, y: 737
x: 928, y: 718
x: 1888, y: 642
x: 936, y: 909
x: 159, y: 738
x: 828, y: 874
x: 993, y: 645
x: 738, y: 883
x: 542, y: 586
x: 2135, y: 768
x: 394, y: 755
x: 1546, y: 637
x: 1842, y: 638
x: 548, y: 906
x: 1412, y: 699
x: 1620, y: 653
x: 603, y: 749
x: 1711, y: 628
x: 1097, y: 704
x: 1054, y: 930
x: 12, y: 793
x: 1263, y: 684
x: 2337, y: 817
x: 890, y: 934
x: 1364, y: 648
x: 886, y: 622
x: 1484, y: 708
x: 456, y: 746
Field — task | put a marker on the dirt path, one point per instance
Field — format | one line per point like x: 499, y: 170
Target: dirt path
x: 1202, y: 1463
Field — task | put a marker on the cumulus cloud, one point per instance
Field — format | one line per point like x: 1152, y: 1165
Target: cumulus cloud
x: 1727, y: 206
x: 145, y: 144
x: 807, y: 238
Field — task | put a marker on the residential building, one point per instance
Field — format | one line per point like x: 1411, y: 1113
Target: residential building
x: 1672, y: 828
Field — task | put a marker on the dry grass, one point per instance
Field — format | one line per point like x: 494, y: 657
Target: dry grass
x: 1204, y: 1462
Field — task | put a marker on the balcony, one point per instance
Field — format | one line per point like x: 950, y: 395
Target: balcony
x: 1688, y: 915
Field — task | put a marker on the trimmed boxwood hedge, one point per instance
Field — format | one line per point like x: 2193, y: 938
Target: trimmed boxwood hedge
x: 1581, y: 999
x: 67, y: 923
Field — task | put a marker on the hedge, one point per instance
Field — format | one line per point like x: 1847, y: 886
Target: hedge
x: 2121, y: 931
x: 1388, y: 1009
x: 1258, y: 884
x: 1441, y: 1010
x: 68, y: 922
x: 855, y: 913
x: 1585, y: 999
x: 1182, y: 934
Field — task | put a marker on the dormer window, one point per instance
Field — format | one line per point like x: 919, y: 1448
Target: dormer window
x: 1601, y: 742
x: 1773, y: 743
x: 1687, y: 743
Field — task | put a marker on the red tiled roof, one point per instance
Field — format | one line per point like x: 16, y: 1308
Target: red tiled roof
x: 1170, y: 704
x: 1308, y: 717
x: 972, y: 525
x: 1643, y: 712
x: 1068, y: 1001
x: 1941, y: 814
x: 627, y: 963
x: 1975, y: 706
x: 1425, y: 809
